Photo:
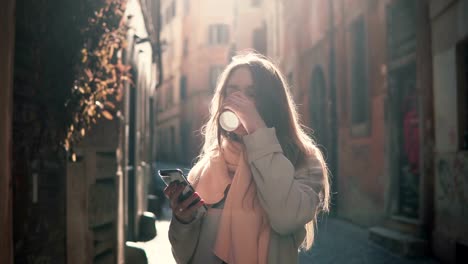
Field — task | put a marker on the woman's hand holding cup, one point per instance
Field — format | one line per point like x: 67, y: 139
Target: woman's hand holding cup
x: 244, y: 108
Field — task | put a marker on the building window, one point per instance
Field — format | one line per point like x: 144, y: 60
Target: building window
x: 260, y: 39
x: 162, y: 100
x: 159, y: 146
x: 159, y: 105
x: 290, y: 78
x: 167, y: 144
x: 218, y: 34
x: 256, y: 3
x: 187, y: 7
x: 183, y: 87
x: 185, y: 47
x: 359, y: 84
x: 462, y: 73
x: 185, y: 140
x: 167, y: 16
x: 170, y: 96
x: 215, y: 71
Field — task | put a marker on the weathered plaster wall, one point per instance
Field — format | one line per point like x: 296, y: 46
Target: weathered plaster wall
x: 449, y: 27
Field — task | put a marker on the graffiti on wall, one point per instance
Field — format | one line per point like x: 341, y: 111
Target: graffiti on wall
x: 452, y: 181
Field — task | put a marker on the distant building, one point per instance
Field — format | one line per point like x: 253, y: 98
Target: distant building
x: 55, y: 209
x: 449, y: 24
x: 200, y: 38
x: 197, y: 36
x: 136, y: 144
x: 362, y: 74
x: 249, y: 27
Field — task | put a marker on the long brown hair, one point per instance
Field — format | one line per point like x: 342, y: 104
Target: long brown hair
x: 275, y: 105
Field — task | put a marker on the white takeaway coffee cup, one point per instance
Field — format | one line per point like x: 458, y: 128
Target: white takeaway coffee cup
x: 229, y: 121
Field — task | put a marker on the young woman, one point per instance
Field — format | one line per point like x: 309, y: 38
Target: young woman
x: 263, y: 184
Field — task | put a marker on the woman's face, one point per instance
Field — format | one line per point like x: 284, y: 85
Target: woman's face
x: 240, y: 81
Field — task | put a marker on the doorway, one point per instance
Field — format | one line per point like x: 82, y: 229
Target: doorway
x: 403, y: 117
x: 405, y: 134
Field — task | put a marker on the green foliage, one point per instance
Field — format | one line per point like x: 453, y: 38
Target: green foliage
x: 101, y: 75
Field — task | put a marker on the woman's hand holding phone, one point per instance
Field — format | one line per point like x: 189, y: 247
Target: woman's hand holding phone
x: 184, y: 210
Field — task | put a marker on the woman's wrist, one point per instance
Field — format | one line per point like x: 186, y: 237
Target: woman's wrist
x: 183, y: 221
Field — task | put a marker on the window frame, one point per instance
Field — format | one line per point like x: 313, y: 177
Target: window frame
x: 170, y: 98
x: 218, y: 34
x: 183, y: 87
x: 359, y: 128
x: 185, y: 48
x: 260, y: 39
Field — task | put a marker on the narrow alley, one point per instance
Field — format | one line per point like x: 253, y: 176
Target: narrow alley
x: 351, y: 111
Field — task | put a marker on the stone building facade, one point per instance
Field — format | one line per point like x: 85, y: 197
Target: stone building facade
x: 199, y: 38
x: 394, y: 72
x: 196, y: 38
x: 361, y: 80
x: 449, y: 30
x: 63, y: 211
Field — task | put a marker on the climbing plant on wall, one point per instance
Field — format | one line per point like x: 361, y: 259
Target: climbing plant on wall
x: 100, y: 74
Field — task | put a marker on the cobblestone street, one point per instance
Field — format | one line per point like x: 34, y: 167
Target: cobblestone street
x: 337, y: 241
x: 158, y: 250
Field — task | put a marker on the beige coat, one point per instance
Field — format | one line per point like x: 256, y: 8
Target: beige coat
x: 290, y: 198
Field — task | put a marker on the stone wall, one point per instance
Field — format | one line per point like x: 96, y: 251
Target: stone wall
x: 47, y: 46
x: 449, y: 28
x: 306, y: 55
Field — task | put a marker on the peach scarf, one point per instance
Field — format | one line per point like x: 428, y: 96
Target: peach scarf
x: 244, y: 231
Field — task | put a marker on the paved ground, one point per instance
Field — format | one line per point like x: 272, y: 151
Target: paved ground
x: 158, y: 250
x: 337, y: 241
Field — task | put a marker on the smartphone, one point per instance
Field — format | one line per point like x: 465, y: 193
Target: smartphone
x: 171, y: 175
